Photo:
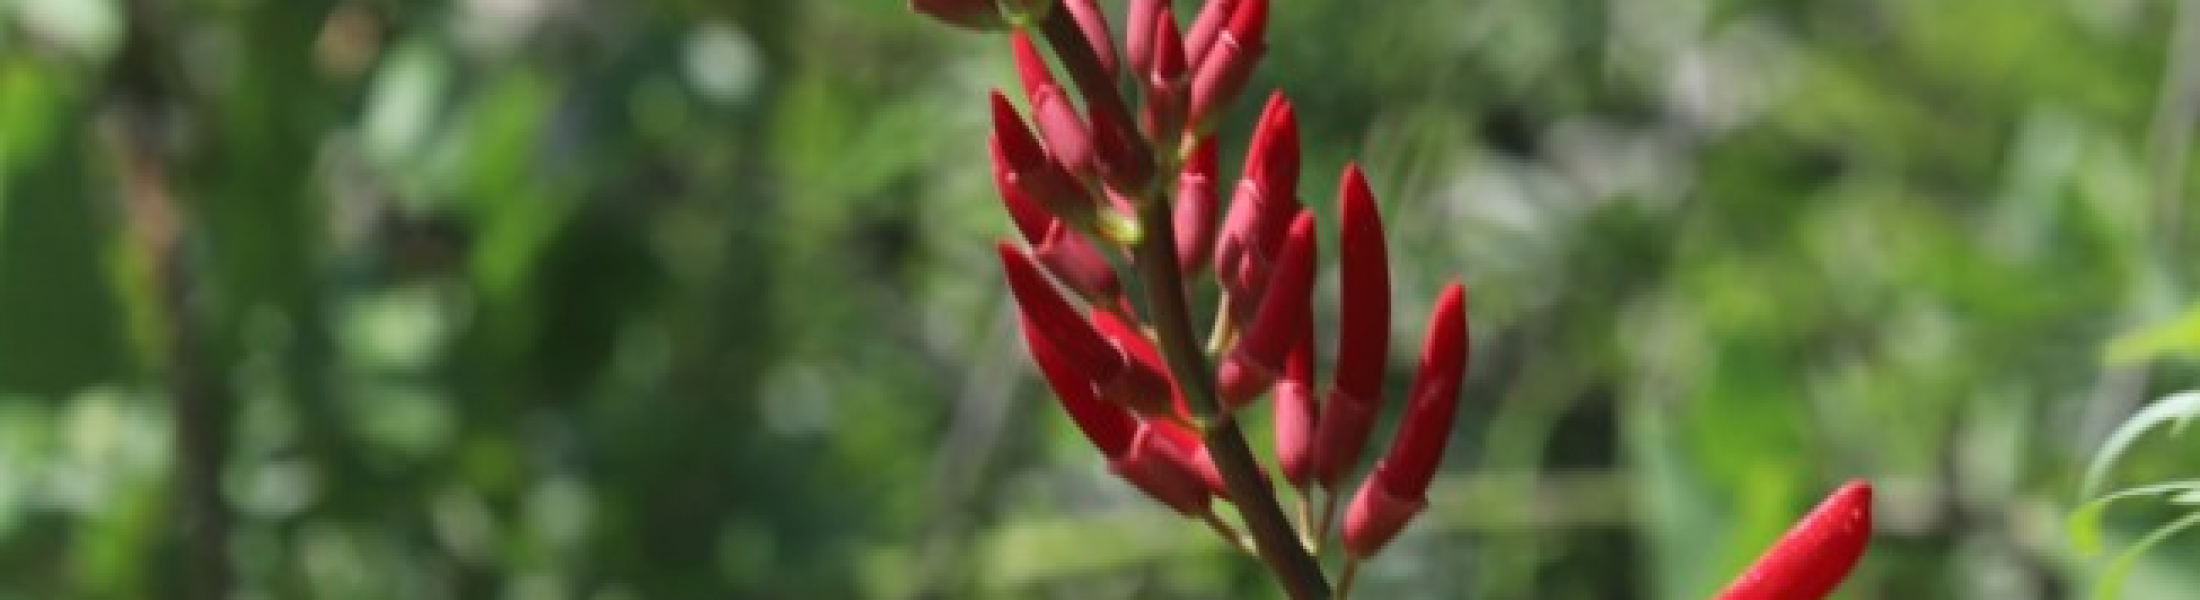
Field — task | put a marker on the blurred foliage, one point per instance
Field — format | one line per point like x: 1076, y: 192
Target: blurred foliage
x: 688, y: 299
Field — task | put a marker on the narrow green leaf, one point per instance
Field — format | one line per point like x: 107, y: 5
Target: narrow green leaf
x: 2174, y: 409
x: 2084, y: 526
x: 2111, y: 584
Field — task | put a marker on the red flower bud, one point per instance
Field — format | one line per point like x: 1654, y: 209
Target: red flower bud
x: 1094, y: 25
x: 1164, y: 82
x: 1139, y: 20
x: 1068, y: 141
x: 1810, y: 561
x: 1393, y: 494
x: 1114, y: 367
x: 1205, y: 28
x: 1222, y: 70
x: 1162, y: 460
x: 1041, y: 179
x: 1295, y: 410
x: 1144, y: 387
x: 1257, y: 359
x: 1080, y: 265
x: 1262, y: 205
x: 1032, y: 220
x: 1166, y: 468
x: 1123, y: 159
x: 1195, y: 209
x: 1108, y: 426
x: 1363, y: 330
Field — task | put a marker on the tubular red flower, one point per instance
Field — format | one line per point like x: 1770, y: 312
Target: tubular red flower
x: 1078, y: 263
x: 1032, y: 220
x: 1295, y: 411
x: 1195, y: 209
x: 1249, y: 23
x: 1395, y: 492
x: 1079, y: 343
x: 1110, y: 427
x: 1166, y: 468
x: 1810, y: 561
x: 1068, y: 141
x: 1363, y: 330
x: 1228, y: 61
x: 1205, y: 28
x: 1202, y: 464
x: 1164, y: 82
x: 1263, y: 203
x: 1257, y: 359
x: 1030, y: 169
x: 1138, y: 24
x: 1435, y: 396
x: 1123, y: 159
x: 1144, y: 385
x: 1094, y: 25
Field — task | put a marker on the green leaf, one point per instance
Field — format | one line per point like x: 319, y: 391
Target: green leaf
x: 2085, y: 523
x: 2112, y: 579
x: 2179, y: 336
x: 2174, y: 409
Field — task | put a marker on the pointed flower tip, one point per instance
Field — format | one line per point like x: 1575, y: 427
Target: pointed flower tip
x: 1282, y: 315
x: 1066, y: 331
x: 1031, y: 67
x: 1274, y: 155
x: 1812, y: 559
x: 1363, y: 328
x: 1109, y: 427
x: 1249, y: 22
x: 1021, y: 151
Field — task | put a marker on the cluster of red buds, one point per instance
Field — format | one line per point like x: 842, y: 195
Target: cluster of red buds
x: 1091, y: 178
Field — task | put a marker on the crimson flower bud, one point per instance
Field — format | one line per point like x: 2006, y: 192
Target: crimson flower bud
x: 1205, y: 28
x: 1363, y: 331
x: 1223, y: 69
x: 1032, y: 220
x: 1261, y: 207
x: 1028, y: 168
x: 1810, y: 561
x: 1202, y: 464
x: 1257, y: 358
x: 1138, y: 26
x: 1068, y: 141
x: 1108, y: 426
x: 1166, y: 467
x: 1397, y: 489
x: 1164, y: 82
x: 1078, y: 263
x: 1295, y: 411
x: 1114, y: 367
x: 1123, y: 159
x: 1195, y: 208
x: 1146, y: 388
x: 1094, y: 25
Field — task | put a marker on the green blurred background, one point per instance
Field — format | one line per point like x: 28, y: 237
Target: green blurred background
x: 693, y: 298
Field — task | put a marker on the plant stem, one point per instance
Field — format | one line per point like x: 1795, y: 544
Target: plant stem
x: 1344, y: 582
x: 1248, y: 487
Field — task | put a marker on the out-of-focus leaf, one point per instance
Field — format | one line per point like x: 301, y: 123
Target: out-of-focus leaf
x: 2174, y: 410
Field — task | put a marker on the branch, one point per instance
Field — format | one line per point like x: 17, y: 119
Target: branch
x: 1164, y: 283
